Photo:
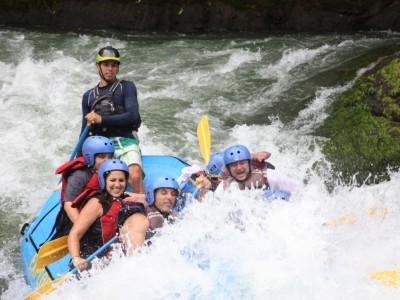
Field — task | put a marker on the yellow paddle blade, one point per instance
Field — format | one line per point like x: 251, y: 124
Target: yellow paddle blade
x: 390, y: 278
x: 46, y: 288
x: 52, y: 251
x: 203, y: 134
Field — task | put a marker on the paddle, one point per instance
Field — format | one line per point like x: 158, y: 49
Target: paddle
x: 56, y: 249
x: 48, y: 287
x: 80, y: 141
x: 52, y: 251
x: 203, y: 134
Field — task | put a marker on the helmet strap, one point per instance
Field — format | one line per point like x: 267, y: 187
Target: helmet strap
x: 102, y: 77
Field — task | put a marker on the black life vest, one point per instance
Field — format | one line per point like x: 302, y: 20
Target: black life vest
x: 103, y: 229
x: 105, y: 106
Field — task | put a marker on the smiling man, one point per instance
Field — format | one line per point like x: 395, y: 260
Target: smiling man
x: 242, y: 174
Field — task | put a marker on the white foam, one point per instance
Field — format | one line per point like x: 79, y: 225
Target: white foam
x: 240, y: 247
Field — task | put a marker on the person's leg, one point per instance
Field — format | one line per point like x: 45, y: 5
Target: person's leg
x: 128, y: 151
x: 135, y: 178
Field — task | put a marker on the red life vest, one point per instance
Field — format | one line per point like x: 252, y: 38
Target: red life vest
x: 109, y: 221
x: 102, y: 230
x: 90, y: 189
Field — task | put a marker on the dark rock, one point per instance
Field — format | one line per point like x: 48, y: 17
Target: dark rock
x: 205, y: 16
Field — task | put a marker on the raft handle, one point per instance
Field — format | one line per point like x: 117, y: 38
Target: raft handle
x: 24, y: 227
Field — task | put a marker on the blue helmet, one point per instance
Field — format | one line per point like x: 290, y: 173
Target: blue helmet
x: 160, y: 182
x: 236, y: 153
x: 215, y: 164
x: 94, y: 145
x: 108, y: 166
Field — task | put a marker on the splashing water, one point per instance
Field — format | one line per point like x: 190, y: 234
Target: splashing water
x: 266, y: 92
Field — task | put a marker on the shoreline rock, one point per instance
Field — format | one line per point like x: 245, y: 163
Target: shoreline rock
x: 205, y: 16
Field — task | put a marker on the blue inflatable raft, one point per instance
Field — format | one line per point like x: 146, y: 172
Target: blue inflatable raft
x: 38, y: 232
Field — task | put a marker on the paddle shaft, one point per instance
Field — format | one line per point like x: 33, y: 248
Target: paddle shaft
x: 48, y: 287
x: 80, y: 142
x: 101, y: 249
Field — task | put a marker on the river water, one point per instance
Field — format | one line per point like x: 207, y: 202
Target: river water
x: 266, y: 91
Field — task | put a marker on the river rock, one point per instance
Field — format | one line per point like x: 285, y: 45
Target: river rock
x: 362, y: 132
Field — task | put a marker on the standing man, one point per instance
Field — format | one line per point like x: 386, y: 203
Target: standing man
x: 112, y: 110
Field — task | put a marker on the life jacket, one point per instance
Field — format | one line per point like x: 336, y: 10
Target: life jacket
x: 103, y: 229
x: 90, y: 189
x: 156, y: 220
x: 109, y: 221
x: 105, y: 106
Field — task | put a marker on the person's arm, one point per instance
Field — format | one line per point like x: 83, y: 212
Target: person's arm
x: 133, y: 232
x: 135, y: 198
x: 278, y: 181
x: 204, y: 184
x: 258, y: 158
x: 72, y: 212
x: 89, y: 214
x: 75, y: 185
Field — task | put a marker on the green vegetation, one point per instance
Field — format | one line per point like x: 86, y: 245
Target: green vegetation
x: 363, y: 129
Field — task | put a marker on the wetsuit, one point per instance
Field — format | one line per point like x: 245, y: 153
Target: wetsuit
x: 123, y: 120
